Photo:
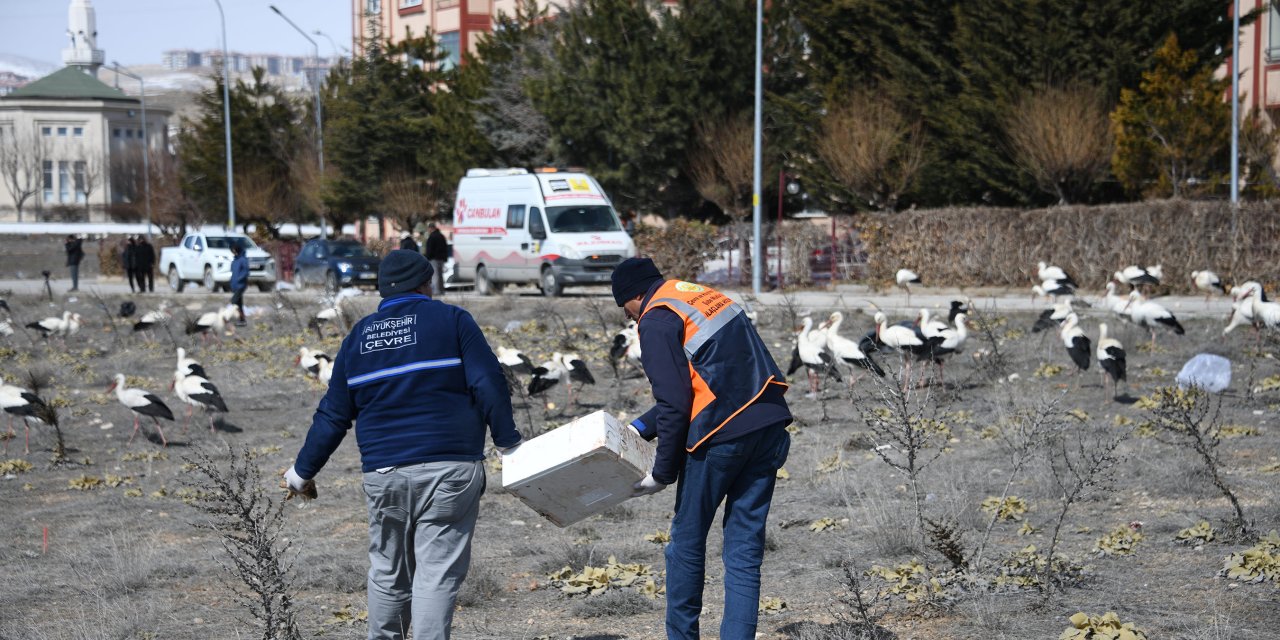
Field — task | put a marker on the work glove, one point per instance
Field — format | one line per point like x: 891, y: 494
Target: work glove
x: 646, y: 487
x: 297, y: 486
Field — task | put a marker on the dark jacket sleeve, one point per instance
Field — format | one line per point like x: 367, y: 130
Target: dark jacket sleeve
x: 661, y: 346
x: 240, y: 272
x: 486, y: 382
x: 330, y: 423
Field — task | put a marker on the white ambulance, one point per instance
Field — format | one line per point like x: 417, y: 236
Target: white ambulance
x: 549, y: 228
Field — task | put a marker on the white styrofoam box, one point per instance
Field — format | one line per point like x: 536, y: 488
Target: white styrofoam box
x: 579, y: 469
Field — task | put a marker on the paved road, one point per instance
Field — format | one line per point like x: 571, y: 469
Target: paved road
x: 892, y: 302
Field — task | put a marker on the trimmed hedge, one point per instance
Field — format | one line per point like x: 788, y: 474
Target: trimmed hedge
x: 1000, y: 247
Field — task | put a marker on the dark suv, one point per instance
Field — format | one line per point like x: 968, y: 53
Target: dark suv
x: 335, y: 264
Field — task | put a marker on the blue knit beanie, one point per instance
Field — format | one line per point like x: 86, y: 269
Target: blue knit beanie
x: 402, y: 271
x: 633, y: 277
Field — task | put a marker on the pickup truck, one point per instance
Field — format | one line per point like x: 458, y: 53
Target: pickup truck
x: 206, y: 258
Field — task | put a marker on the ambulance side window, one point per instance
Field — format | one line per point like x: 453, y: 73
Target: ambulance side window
x: 536, y: 230
x: 515, y: 216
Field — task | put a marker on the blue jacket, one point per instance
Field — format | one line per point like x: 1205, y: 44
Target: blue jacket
x: 420, y: 380
x: 239, y: 273
x: 667, y: 367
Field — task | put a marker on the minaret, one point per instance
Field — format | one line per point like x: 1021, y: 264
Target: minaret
x: 83, y: 31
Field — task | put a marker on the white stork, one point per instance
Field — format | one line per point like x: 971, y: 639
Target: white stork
x: 16, y: 401
x: 562, y: 366
x: 188, y: 366
x: 310, y: 360
x: 847, y: 350
x: 900, y: 338
x: 323, y: 317
x: 1150, y: 315
x: 1053, y: 289
x: 198, y: 393
x: 212, y: 323
x: 1077, y: 343
x: 1136, y: 276
x: 1046, y: 273
x: 152, y: 318
x: 1110, y: 354
x: 1116, y: 303
x: 626, y: 346
x: 1208, y: 282
x: 62, y: 327
x: 514, y: 364
x: 1265, y: 314
x: 141, y: 403
x: 905, y: 278
x: 813, y: 356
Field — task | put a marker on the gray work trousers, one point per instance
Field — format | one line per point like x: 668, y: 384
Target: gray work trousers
x: 421, y: 518
x: 437, y: 279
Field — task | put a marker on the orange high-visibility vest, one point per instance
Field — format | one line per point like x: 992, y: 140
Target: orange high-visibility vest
x: 729, y: 365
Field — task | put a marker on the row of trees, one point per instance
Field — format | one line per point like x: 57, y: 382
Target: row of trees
x: 873, y: 105
x: 28, y: 159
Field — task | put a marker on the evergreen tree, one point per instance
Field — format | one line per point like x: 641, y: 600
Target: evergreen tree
x: 1174, y: 128
x: 507, y: 61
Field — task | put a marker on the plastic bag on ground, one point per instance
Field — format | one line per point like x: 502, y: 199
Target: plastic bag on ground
x: 1206, y: 371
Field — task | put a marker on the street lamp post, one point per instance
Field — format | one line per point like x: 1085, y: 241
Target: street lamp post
x: 146, y: 142
x: 756, y: 271
x: 332, y: 44
x: 315, y: 84
x: 1235, y: 104
x: 226, y: 122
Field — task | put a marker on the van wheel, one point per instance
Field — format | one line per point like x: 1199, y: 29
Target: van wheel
x: 551, y: 286
x: 176, y: 282
x: 485, y: 286
x: 209, y: 282
x: 264, y: 287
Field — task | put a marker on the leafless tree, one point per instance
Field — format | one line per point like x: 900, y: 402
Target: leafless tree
x: 22, y: 156
x: 409, y: 198
x: 262, y: 197
x: 89, y: 173
x: 871, y: 148
x: 1061, y: 136
x: 721, y: 167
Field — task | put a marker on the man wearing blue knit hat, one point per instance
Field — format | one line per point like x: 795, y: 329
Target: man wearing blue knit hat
x: 720, y: 418
x: 421, y: 383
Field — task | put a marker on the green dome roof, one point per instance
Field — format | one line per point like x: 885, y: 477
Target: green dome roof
x: 70, y: 83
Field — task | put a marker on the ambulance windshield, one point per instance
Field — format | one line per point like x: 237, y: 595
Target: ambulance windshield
x: 578, y: 219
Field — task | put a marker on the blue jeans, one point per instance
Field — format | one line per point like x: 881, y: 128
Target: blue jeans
x: 741, y: 473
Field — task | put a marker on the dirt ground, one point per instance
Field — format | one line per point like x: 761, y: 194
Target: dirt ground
x: 124, y: 561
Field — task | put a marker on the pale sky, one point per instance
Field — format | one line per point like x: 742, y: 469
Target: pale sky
x: 135, y: 32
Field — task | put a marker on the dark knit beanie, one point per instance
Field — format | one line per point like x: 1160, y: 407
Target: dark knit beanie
x: 633, y: 277
x: 402, y: 271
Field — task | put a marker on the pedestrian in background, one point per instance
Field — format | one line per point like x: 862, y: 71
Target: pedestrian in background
x: 239, y: 280
x: 720, y: 418
x: 75, y: 253
x: 407, y: 242
x: 420, y: 384
x: 437, y: 253
x: 145, y: 265
x: 128, y: 260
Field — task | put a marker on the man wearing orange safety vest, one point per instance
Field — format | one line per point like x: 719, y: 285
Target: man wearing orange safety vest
x: 720, y: 419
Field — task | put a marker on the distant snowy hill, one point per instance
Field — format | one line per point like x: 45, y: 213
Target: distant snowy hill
x: 25, y: 66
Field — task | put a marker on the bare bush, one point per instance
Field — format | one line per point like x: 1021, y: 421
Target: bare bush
x: 409, y: 199
x: 721, y: 164
x: 1002, y: 246
x: 1061, y: 136
x: 249, y: 524
x: 1191, y: 419
x: 680, y: 249
x: 871, y: 148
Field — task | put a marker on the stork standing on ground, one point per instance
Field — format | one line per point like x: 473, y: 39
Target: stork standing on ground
x: 17, y: 401
x: 62, y: 327
x: 1150, y: 315
x: 198, y: 393
x: 905, y: 278
x: 953, y: 340
x: 212, y: 323
x: 562, y: 366
x: 1116, y: 303
x: 141, y: 403
x: 310, y: 360
x: 847, y: 350
x: 1078, y: 345
x: 1208, y: 282
x: 514, y: 364
x: 1136, y: 276
x: 324, y: 317
x: 900, y: 338
x: 1110, y: 354
x: 1047, y: 272
x: 811, y: 355
x: 1242, y: 306
x: 626, y: 346
x: 150, y: 319
x: 188, y: 366
x: 1053, y: 289
x: 1265, y: 314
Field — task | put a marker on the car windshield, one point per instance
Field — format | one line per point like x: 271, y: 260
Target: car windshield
x: 350, y: 250
x: 583, y: 218
x: 226, y: 242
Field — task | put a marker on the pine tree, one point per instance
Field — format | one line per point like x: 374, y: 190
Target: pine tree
x: 1174, y: 128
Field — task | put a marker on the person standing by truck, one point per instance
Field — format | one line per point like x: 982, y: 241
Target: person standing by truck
x: 420, y: 384
x: 720, y: 418
x: 75, y: 253
x: 437, y: 252
x: 145, y: 265
x: 239, y: 280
